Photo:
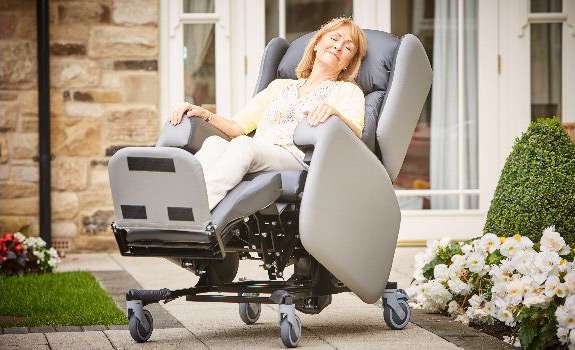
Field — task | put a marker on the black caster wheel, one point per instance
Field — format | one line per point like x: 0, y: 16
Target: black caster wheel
x: 290, y: 333
x: 138, y: 331
x: 396, y: 311
x: 250, y: 312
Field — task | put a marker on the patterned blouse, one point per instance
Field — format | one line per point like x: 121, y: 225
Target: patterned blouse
x: 276, y: 111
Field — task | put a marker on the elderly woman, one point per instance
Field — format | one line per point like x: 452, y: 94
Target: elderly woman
x: 325, y: 88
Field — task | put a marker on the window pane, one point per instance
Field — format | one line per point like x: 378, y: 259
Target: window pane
x: 272, y: 19
x: 546, y: 52
x: 433, y: 156
x: 199, y: 65
x: 304, y: 16
x: 547, y: 5
x: 424, y: 202
x: 198, y: 6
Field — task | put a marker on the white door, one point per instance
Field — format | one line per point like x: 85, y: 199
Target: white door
x: 537, y: 70
x: 195, y: 54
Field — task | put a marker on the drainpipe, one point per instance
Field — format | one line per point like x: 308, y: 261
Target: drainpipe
x: 44, y: 157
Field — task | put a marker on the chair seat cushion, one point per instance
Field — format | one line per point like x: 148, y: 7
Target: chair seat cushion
x: 293, y: 182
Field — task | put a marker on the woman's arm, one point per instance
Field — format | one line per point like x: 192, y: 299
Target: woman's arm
x: 228, y: 127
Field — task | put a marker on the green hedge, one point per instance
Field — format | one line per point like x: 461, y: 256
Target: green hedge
x: 537, y: 185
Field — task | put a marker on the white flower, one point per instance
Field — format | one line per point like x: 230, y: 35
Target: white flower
x: 515, y: 290
x: 489, y: 242
x: 441, y: 272
x: 552, y: 241
x: 466, y: 249
x: 552, y: 286
x: 20, y: 237
x: 511, y: 246
x: 463, y: 318
x: 476, y: 301
x: 505, y: 315
x: 546, y: 261
x: 571, y: 338
x: 475, y: 262
x: 570, y: 280
x: 457, y: 286
x: 563, y: 335
x: 565, y: 317
x: 444, y: 242
x: 562, y: 290
x: 453, y: 308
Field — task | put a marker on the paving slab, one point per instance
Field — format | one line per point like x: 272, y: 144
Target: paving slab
x: 168, y: 338
x: 79, y: 340
x: 23, y: 341
x: 88, y: 262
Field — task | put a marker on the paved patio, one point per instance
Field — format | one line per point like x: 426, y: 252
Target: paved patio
x: 347, y: 323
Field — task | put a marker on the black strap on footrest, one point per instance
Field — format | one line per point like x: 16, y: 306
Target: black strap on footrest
x: 149, y: 296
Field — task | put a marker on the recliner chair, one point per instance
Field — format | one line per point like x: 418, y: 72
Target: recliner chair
x: 337, y: 222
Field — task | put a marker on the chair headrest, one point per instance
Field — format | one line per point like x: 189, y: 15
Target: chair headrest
x: 375, y: 70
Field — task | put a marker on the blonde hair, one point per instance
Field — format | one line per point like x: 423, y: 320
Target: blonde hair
x: 303, y: 69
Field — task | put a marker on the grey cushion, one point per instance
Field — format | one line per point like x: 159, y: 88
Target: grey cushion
x: 272, y: 56
x: 293, y: 182
x: 247, y: 198
x: 375, y: 70
x: 373, y: 102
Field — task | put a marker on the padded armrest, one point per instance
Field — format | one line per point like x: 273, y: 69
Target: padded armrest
x: 189, y: 134
x: 349, y: 215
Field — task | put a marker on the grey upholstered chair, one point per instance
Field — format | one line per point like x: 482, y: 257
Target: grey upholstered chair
x: 340, y: 216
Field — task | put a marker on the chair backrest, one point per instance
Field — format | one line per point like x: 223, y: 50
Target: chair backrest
x: 395, y: 77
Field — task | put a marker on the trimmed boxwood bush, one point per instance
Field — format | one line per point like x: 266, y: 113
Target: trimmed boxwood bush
x: 537, y: 185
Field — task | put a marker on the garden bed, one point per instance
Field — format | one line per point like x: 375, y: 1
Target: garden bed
x: 57, y: 299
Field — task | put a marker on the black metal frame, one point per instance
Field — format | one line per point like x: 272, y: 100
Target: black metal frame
x: 273, y: 236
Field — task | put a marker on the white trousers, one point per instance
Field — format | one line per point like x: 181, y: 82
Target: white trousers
x: 225, y: 163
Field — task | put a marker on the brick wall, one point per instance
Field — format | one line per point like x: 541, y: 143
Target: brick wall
x: 104, y: 93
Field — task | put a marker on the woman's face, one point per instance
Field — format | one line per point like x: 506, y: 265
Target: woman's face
x: 335, y: 49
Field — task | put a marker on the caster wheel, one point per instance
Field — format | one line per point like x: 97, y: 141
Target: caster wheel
x: 398, y: 316
x: 290, y: 334
x: 250, y: 312
x: 137, y: 330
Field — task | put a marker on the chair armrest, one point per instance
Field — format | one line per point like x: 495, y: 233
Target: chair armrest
x: 349, y: 216
x: 189, y: 134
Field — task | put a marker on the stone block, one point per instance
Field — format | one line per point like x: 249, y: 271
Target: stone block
x: 76, y: 136
x: 3, y: 149
x: 71, y: 72
x: 97, y: 243
x: 79, y: 32
x: 83, y: 12
x: 107, y: 41
x: 9, y: 112
x: 143, y: 87
x: 19, y: 206
x: 64, y: 205
x: 135, y: 12
x: 25, y: 173
x: 17, y: 64
x: 111, y: 79
x: 29, y: 123
x: 69, y: 174
x: 64, y: 229
x: 8, y: 96
x: 101, y: 96
x: 147, y: 65
x: 26, y: 26
x: 7, y: 25
x: 56, y: 103
x: 83, y: 109
x: 132, y: 125
x: 28, y: 101
x: 67, y: 49
x: 23, y: 145
x: 97, y: 222
x: 22, y: 224
x: 95, y: 198
x: 18, y: 189
x: 4, y: 172
x: 99, y: 178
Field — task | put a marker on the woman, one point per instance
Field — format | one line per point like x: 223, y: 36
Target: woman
x: 324, y: 88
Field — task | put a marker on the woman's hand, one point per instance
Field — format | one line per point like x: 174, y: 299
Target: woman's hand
x: 188, y: 110
x: 320, y: 114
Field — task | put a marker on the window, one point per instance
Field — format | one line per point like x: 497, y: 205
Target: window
x: 440, y: 170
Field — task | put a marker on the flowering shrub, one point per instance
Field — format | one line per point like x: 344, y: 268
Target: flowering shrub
x: 528, y: 287
x: 20, y: 254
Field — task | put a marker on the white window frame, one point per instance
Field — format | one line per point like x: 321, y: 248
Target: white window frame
x: 172, y: 21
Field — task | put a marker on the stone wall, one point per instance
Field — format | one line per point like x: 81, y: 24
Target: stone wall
x: 104, y: 94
